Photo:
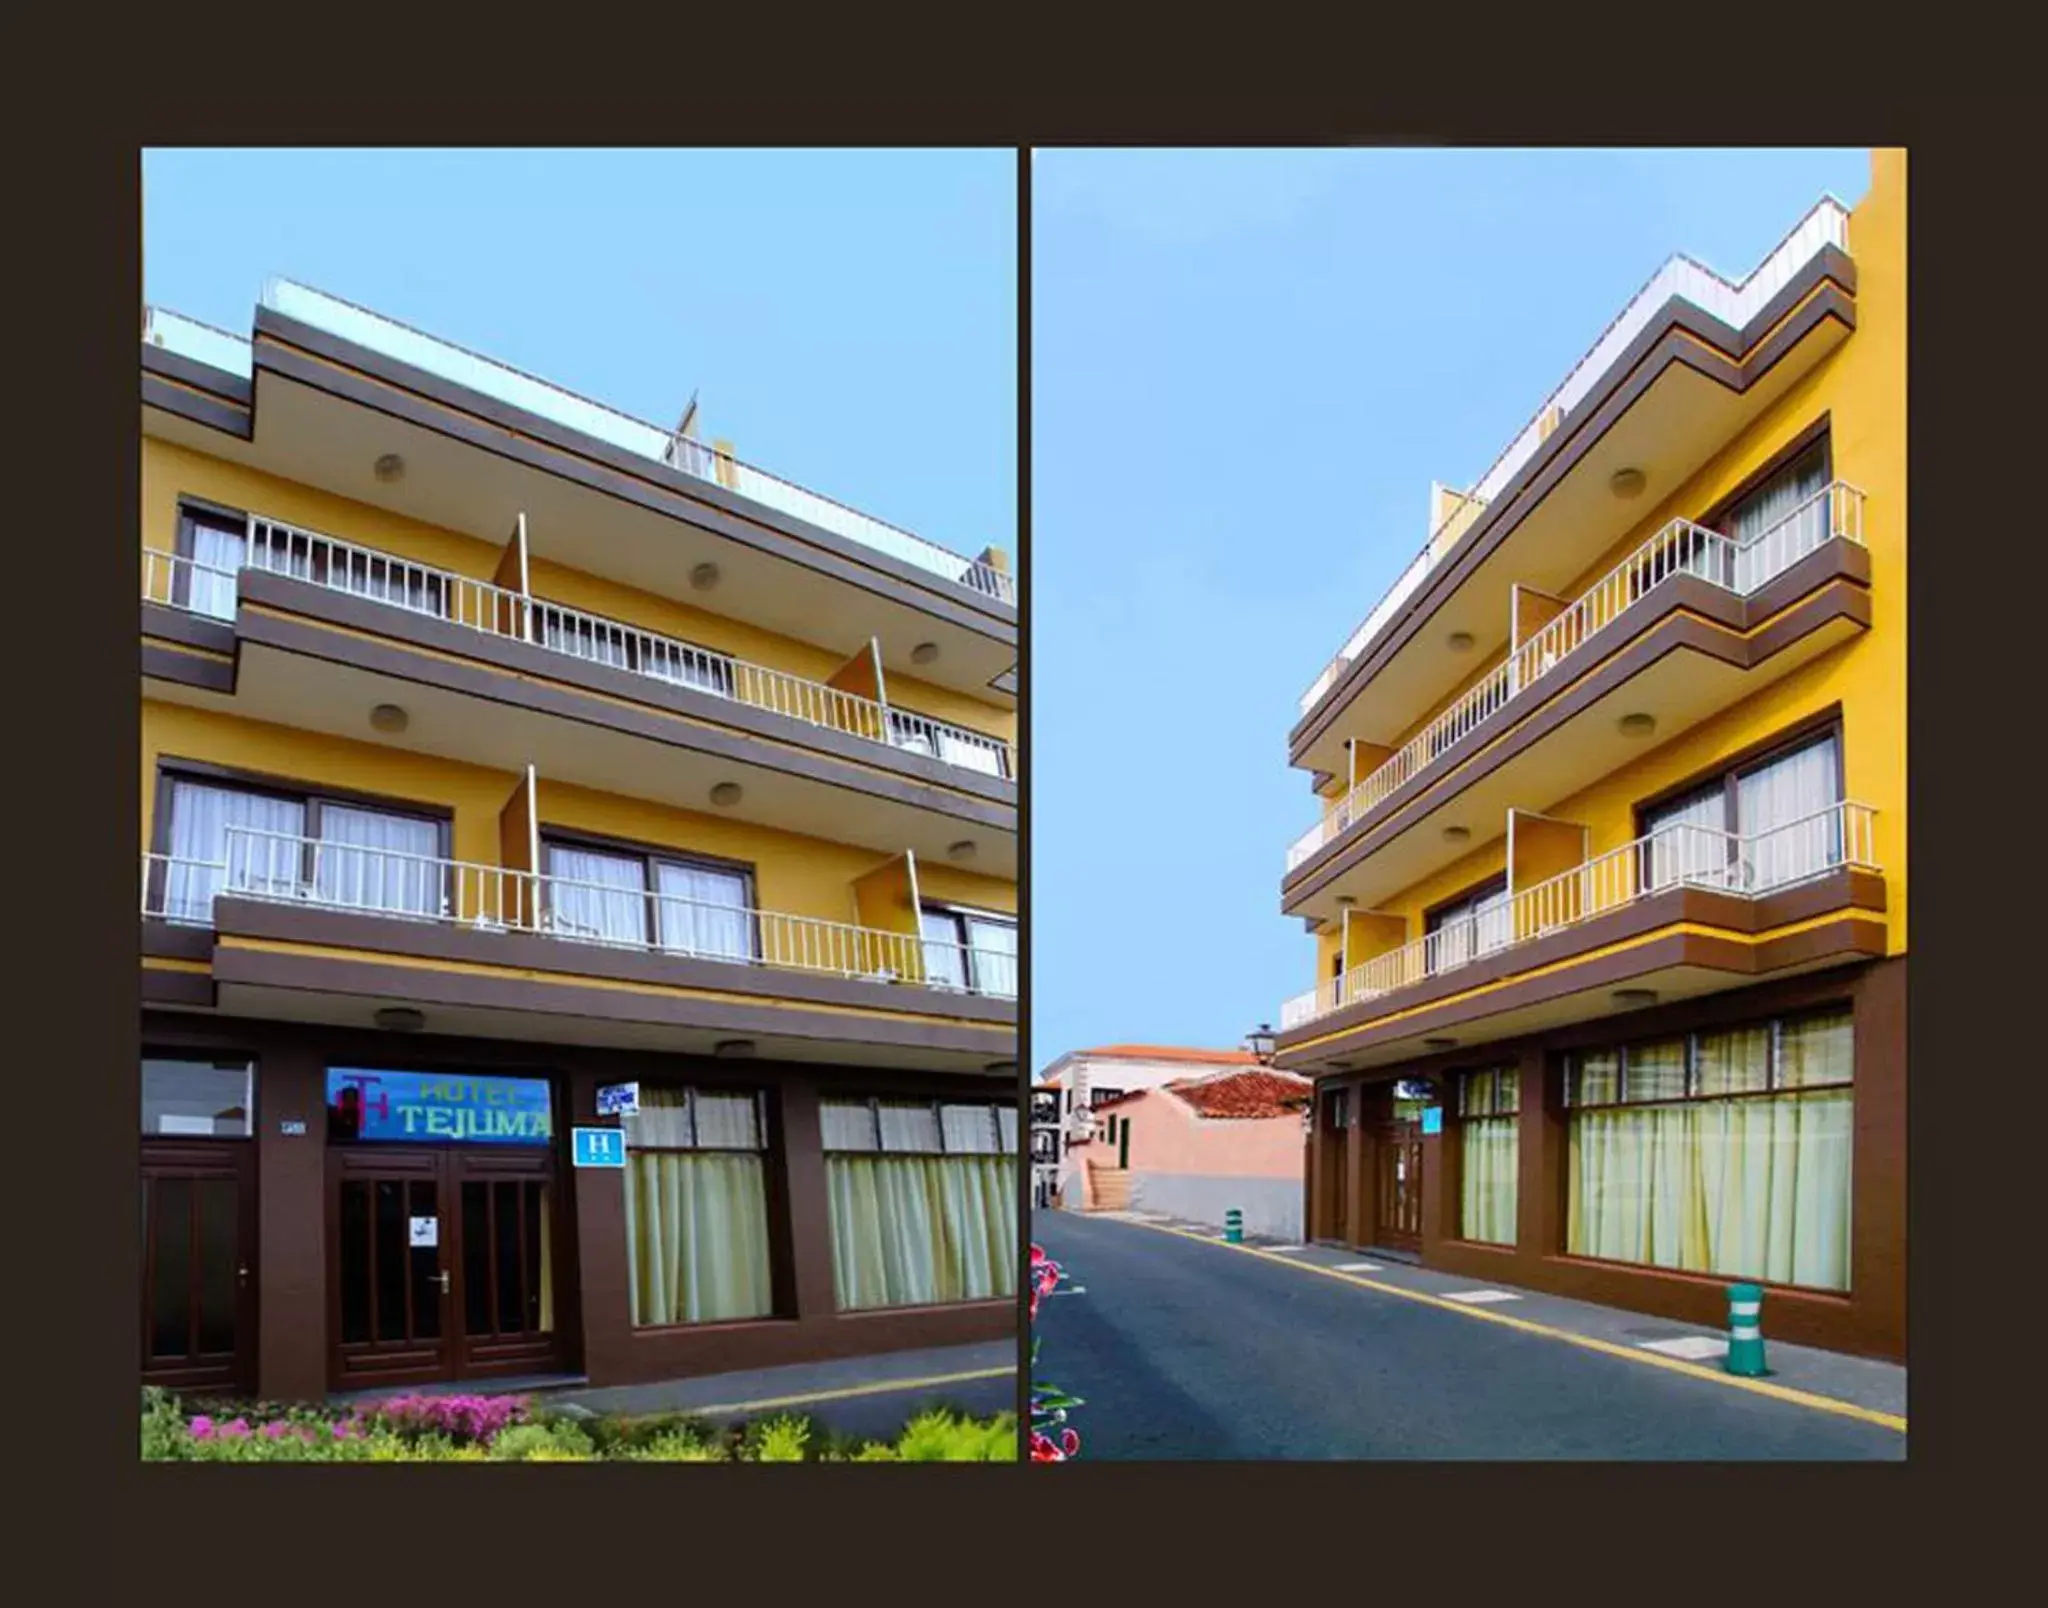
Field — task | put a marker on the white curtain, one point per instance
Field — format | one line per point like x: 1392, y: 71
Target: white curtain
x: 1778, y: 807
x: 1780, y: 523
x: 216, y: 549
x: 909, y: 732
x: 703, y: 911
x: 993, y: 952
x: 200, y: 844
x: 945, y: 962
x: 847, y: 1125
x: 1488, y: 1174
x: 970, y: 1129
x: 908, y: 1125
x: 601, y: 896
x: 915, y: 1230
x: 696, y: 1210
x: 1468, y: 930
x: 372, y: 860
x: 1687, y: 842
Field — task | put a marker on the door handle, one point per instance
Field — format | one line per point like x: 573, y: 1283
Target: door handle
x: 443, y: 1275
x: 242, y: 1273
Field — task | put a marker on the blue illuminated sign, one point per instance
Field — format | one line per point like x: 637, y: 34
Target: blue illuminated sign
x: 436, y: 1108
x: 598, y: 1147
x: 1432, y: 1119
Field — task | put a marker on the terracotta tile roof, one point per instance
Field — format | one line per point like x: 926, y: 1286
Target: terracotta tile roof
x: 1172, y: 1052
x: 1260, y: 1093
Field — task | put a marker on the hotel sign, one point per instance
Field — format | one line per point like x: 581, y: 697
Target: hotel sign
x: 436, y: 1108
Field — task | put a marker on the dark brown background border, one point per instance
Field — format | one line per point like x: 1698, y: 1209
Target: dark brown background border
x: 72, y: 1413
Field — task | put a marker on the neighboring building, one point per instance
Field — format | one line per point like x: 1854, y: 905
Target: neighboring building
x: 498, y: 748
x: 1196, y: 1147
x: 1612, y: 865
x: 1083, y: 1079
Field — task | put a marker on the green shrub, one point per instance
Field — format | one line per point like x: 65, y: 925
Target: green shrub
x: 940, y: 1436
x: 556, y: 1441
x: 678, y: 1446
x: 776, y: 1440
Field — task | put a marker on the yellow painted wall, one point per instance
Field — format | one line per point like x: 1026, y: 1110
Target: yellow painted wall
x: 1862, y: 387
x: 949, y: 884
x: 169, y: 470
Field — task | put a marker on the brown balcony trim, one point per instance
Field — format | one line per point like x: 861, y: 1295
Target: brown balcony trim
x: 161, y: 663
x: 180, y: 370
x: 167, y: 624
x: 320, y: 624
x: 310, y: 356
x: 161, y: 986
x: 1684, y: 613
x: 1446, y: 1001
x: 534, y: 952
x: 430, y: 986
x: 1679, y: 333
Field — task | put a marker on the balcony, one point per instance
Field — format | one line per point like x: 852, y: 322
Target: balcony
x: 275, y: 548
x: 1687, y: 907
x: 1566, y: 646
x: 511, y: 952
x: 216, y: 349
x: 1690, y: 360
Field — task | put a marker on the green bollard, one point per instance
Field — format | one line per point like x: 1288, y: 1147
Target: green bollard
x: 1233, y: 1227
x: 1746, y: 1331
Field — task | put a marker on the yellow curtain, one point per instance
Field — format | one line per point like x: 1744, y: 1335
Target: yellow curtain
x: 696, y: 1237
x: 916, y: 1230
x: 1487, y: 1169
x: 1755, y: 1188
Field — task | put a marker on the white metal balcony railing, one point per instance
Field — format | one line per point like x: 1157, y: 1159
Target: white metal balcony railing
x: 273, y: 546
x: 1680, y: 548
x: 1673, y: 856
x: 288, y: 869
x: 1734, y: 303
x: 177, y: 333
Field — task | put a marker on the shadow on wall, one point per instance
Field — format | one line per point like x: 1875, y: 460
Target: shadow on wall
x: 1271, y: 1206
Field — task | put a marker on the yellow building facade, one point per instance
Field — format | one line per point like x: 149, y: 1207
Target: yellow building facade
x: 1608, y: 892
x: 578, y: 885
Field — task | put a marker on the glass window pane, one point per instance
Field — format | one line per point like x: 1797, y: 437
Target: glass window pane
x: 539, y: 1314
x: 170, y: 1302
x: 1595, y: 1078
x: 511, y: 1281
x: 1736, y: 1061
x: 909, y: 1126
x: 945, y: 958
x: 388, y: 1255
x: 1816, y: 1049
x: 663, y: 1121
x: 703, y: 911
x: 595, y: 896
x: 424, y: 1265
x: 1655, y: 1071
x: 1508, y: 1091
x: 728, y: 1122
x: 970, y: 1129
x: 355, y: 1262
x: 848, y: 1125
x: 219, y: 1248
x: 992, y: 956
x: 209, y: 1098
x: 375, y: 860
x: 476, y: 1257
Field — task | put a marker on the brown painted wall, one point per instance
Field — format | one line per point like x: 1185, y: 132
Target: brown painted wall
x: 1870, y: 1319
x: 592, y: 1307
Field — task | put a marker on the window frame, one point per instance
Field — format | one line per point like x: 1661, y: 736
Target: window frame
x: 1817, y: 435
x: 1774, y: 1087
x: 959, y: 915
x: 875, y: 1102
x: 1727, y: 775
x: 649, y: 855
x: 690, y: 1091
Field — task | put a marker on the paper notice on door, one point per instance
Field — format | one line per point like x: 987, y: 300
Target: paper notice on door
x: 426, y: 1232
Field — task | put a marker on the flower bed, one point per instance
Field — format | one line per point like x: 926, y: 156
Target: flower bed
x: 1053, y: 1439
x: 475, y: 1429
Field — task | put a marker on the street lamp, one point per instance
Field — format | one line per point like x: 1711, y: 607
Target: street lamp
x: 1261, y: 1044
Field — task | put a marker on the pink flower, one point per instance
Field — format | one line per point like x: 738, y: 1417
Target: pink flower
x: 238, y: 1428
x: 202, y: 1428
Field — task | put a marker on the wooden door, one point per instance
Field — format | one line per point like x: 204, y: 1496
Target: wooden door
x: 508, y: 1274
x: 390, y: 1267
x: 198, y: 1264
x: 1400, y: 1186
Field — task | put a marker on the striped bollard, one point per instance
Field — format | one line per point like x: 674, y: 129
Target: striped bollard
x: 1746, y: 1331
x: 1233, y: 1226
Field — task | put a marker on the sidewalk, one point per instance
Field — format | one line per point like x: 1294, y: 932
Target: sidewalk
x: 1859, y: 1381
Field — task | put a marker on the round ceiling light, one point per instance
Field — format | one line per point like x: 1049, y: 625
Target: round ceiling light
x: 704, y: 577
x: 1634, y: 996
x: 1457, y: 834
x: 733, y: 1049
x: 1459, y: 641
x: 1627, y: 483
x: 388, y: 468
x: 400, y: 1019
x: 390, y: 717
x: 924, y: 653
x: 963, y: 850
x: 1439, y: 1044
x: 1637, y: 725
x: 727, y: 793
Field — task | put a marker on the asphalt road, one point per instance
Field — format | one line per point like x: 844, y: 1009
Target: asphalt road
x: 1187, y: 1350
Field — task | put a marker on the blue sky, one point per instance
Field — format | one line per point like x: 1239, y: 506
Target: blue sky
x: 848, y: 317
x: 1247, y: 367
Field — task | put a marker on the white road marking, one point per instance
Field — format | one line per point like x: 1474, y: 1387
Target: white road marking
x: 1481, y: 1297
x: 1689, y: 1347
x: 1357, y: 1267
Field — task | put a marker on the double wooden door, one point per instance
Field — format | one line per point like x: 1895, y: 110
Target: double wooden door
x: 443, y: 1263
x: 199, y: 1264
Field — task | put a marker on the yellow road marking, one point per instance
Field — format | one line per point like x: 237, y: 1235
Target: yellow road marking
x: 881, y: 1388
x: 1801, y: 1398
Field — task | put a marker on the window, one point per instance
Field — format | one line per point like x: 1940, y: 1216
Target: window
x: 696, y: 1195
x: 683, y: 906
x: 217, y: 545
x: 584, y: 636
x: 183, y: 1097
x: 970, y: 949
x: 1337, y: 1105
x: 1782, y: 807
x: 221, y: 837
x: 1723, y: 1152
x: 1489, y: 1147
x: 923, y: 1201
x: 1781, y: 520
x: 1466, y: 928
